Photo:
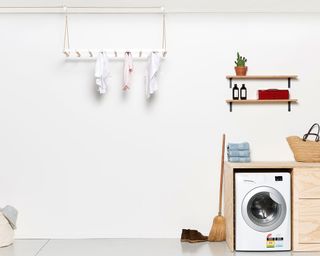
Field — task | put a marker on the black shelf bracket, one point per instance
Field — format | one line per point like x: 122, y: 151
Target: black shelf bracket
x: 230, y: 105
x: 289, y: 82
x: 230, y: 82
x: 289, y: 106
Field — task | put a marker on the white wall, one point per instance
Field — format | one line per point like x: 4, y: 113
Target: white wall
x: 79, y: 165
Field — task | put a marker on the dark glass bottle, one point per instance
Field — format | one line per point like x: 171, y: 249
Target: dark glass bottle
x: 235, y: 92
x: 243, y: 92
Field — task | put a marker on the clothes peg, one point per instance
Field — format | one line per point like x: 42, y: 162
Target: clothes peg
x: 78, y: 54
x: 115, y: 54
x: 140, y: 54
x: 66, y: 53
x: 90, y: 54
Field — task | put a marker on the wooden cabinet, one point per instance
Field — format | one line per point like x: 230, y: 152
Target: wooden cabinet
x: 229, y: 190
x: 306, y: 209
x: 305, y: 201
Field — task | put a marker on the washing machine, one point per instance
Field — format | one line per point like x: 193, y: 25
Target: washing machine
x: 262, y: 211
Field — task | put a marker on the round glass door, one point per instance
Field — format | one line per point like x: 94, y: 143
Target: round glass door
x: 264, y: 209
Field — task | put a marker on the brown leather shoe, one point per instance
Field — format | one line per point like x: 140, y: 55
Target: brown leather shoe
x: 196, y: 237
x: 185, y: 235
x: 192, y: 236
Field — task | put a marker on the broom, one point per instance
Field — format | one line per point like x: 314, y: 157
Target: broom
x: 218, y: 229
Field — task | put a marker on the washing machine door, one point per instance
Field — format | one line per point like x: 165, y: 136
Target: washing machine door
x: 264, y: 209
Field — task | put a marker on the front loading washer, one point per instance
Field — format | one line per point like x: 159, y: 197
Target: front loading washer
x: 262, y: 211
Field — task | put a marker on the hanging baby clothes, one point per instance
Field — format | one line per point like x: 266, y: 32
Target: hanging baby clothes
x: 127, y: 70
x: 151, y: 79
x: 102, y: 72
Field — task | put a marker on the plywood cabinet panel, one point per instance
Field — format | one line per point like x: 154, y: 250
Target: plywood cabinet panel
x: 309, y: 221
x: 306, y: 209
x: 229, y: 205
x: 308, y: 182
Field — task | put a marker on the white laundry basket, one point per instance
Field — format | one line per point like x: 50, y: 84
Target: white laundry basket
x: 6, y: 232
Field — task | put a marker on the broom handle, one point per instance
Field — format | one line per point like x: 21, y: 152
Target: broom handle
x: 221, y: 173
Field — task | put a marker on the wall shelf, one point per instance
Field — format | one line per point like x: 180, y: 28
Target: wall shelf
x: 261, y: 101
x: 289, y: 101
x: 263, y: 77
x: 257, y: 77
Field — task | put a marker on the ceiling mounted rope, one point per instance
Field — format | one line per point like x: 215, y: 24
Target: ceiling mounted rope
x: 66, y: 42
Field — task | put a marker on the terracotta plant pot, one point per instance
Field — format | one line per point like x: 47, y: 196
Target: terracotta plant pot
x: 241, y: 71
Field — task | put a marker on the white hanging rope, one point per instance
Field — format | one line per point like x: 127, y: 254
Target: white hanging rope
x: 164, y: 34
x: 90, y: 52
x: 66, y: 41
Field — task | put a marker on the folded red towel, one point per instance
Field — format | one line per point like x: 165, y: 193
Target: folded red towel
x: 273, y: 94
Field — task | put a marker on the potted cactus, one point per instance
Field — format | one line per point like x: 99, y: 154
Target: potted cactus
x: 241, y: 68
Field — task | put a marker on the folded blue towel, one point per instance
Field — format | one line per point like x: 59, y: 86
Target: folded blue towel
x: 238, y: 146
x: 242, y: 153
x: 239, y: 159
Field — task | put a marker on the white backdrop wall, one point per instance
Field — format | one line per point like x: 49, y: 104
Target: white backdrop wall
x: 79, y: 165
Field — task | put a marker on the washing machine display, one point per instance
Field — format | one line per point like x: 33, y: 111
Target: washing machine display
x: 263, y: 215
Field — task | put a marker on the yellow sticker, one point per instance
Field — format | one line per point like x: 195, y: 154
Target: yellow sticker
x: 270, y: 244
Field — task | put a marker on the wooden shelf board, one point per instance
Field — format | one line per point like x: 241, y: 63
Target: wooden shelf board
x: 261, y: 101
x: 270, y: 165
x: 257, y: 77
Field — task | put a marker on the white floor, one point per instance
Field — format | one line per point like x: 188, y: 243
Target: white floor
x: 122, y: 247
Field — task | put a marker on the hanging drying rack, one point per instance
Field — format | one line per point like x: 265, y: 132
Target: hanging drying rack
x: 112, y: 53
x: 91, y: 53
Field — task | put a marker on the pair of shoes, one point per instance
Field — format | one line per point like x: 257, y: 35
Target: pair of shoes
x: 192, y: 236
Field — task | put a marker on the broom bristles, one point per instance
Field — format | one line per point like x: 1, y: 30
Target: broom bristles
x: 218, y: 230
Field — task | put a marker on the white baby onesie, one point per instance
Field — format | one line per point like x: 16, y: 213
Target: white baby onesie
x: 152, y: 73
x: 127, y: 70
x: 102, y: 72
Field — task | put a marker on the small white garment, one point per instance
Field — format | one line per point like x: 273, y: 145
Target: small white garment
x: 127, y: 70
x: 152, y: 73
x: 102, y: 72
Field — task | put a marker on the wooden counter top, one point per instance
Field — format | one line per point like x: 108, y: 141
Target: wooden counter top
x: 271, y: 165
